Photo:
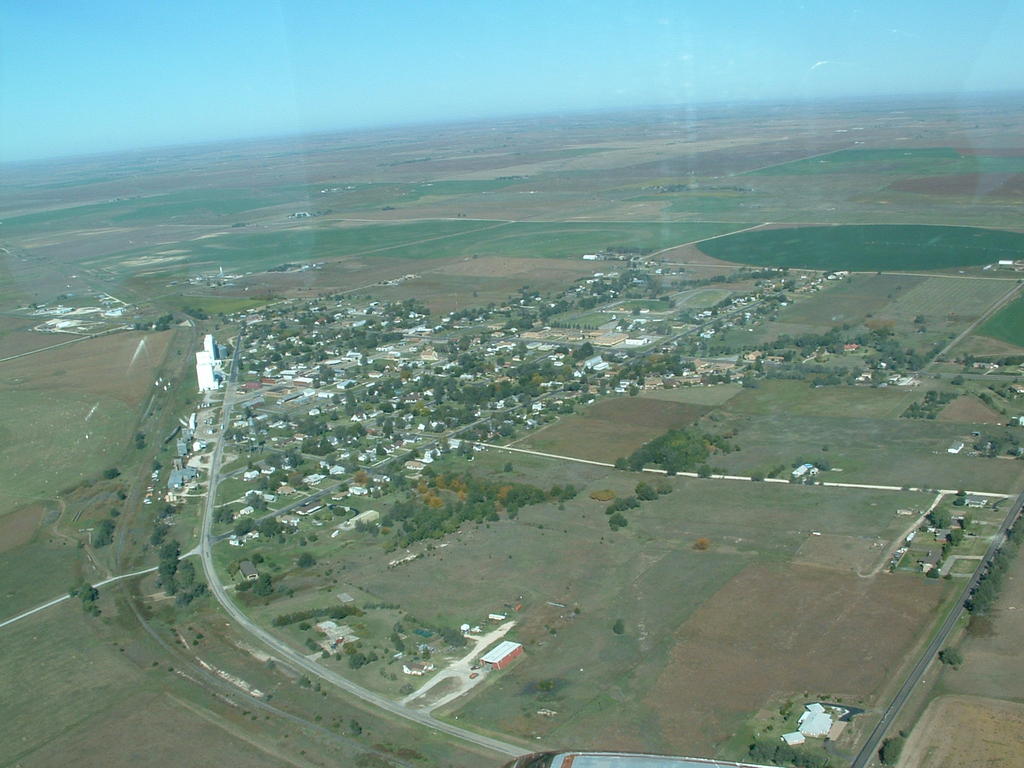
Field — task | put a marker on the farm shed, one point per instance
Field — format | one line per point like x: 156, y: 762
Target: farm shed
x: 501, y: 655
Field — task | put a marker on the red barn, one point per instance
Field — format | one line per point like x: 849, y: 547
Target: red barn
x: 501, y: 655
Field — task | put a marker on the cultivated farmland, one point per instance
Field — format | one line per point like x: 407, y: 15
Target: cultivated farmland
x: 1007, y: 324
x: 864, y: 248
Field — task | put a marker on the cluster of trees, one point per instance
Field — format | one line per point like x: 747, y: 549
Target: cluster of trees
x: 678, y: 450
x: 89, y: 595
x: 263, y: 586
x: 931, y: 405
x: 444, y: 501
x: 889, y: 754
x: 178, y: 577
x: 103, y: 533
x: 334, y: 612
x: 779, y: 753
x: 643, y: 492
x: 992, y: 579
x: 992, y: 444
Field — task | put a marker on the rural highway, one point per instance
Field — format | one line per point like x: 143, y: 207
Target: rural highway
x: 281, y: 649
x: 871, y: 746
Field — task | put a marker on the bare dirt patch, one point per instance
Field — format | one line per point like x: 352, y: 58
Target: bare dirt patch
x: 970, y: 410
x: 777, y: 630
x: 614, y: 427
x: 965, y: 732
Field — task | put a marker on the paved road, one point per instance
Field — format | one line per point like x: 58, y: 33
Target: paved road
x: 281, y: 649
x: 62, y: 598
x: 870, y: 748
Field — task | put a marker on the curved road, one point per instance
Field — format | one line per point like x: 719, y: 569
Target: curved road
x: 284, y: 651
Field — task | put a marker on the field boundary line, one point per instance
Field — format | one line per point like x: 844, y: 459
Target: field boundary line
x: 62, y: 598
x: 63, y: 343
x: 824, y: 484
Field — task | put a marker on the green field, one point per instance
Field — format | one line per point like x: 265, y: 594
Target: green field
x: 931, y: 161
x: 701, y: 298
x: 868, y: 247
x: 564, y: 239
x: 1007, y: 324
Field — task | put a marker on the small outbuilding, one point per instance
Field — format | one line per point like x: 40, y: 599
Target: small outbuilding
x: 793, y: 739
x: 248, y: 570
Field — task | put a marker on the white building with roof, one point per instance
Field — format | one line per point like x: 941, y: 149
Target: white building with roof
x: 815, y: 721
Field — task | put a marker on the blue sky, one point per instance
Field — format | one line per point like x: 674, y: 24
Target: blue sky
x: 78, y: 77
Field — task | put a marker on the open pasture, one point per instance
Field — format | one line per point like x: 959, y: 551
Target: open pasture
x: 612, y: 427
x: 241, y: 249
x: 851, y: 302
x: 970, y: 410
x: 936, y: 297
x: 50, y: 442
x: 69, y: 412
x: 797, y: 399
x: 969, y: 185
x: 700, y: 298
x: 887, y: 451
x: 712, y: 395
x: 868, y: 247
x: 650, y: 576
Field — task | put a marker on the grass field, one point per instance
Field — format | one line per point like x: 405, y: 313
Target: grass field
x: 867, y: 248
x: 71, y: 438
x: 924, y: 161
x: 244, y: 250
x: 940, y: 296
x: 612, y: 427
x: 713, y: 395
x: 563, y: 239
x: 69, y: 412
x: 1006, y: 325
x: 701, y: 298
x: 669, y: 597
x: 214, y: 305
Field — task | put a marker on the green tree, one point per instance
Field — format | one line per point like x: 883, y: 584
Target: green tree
x: 619, y: 627
x: 306, y: 560
x: 891, y: 749
x: 951, y: 657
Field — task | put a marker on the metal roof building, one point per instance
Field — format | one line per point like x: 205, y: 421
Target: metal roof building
x: 501, y: 655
